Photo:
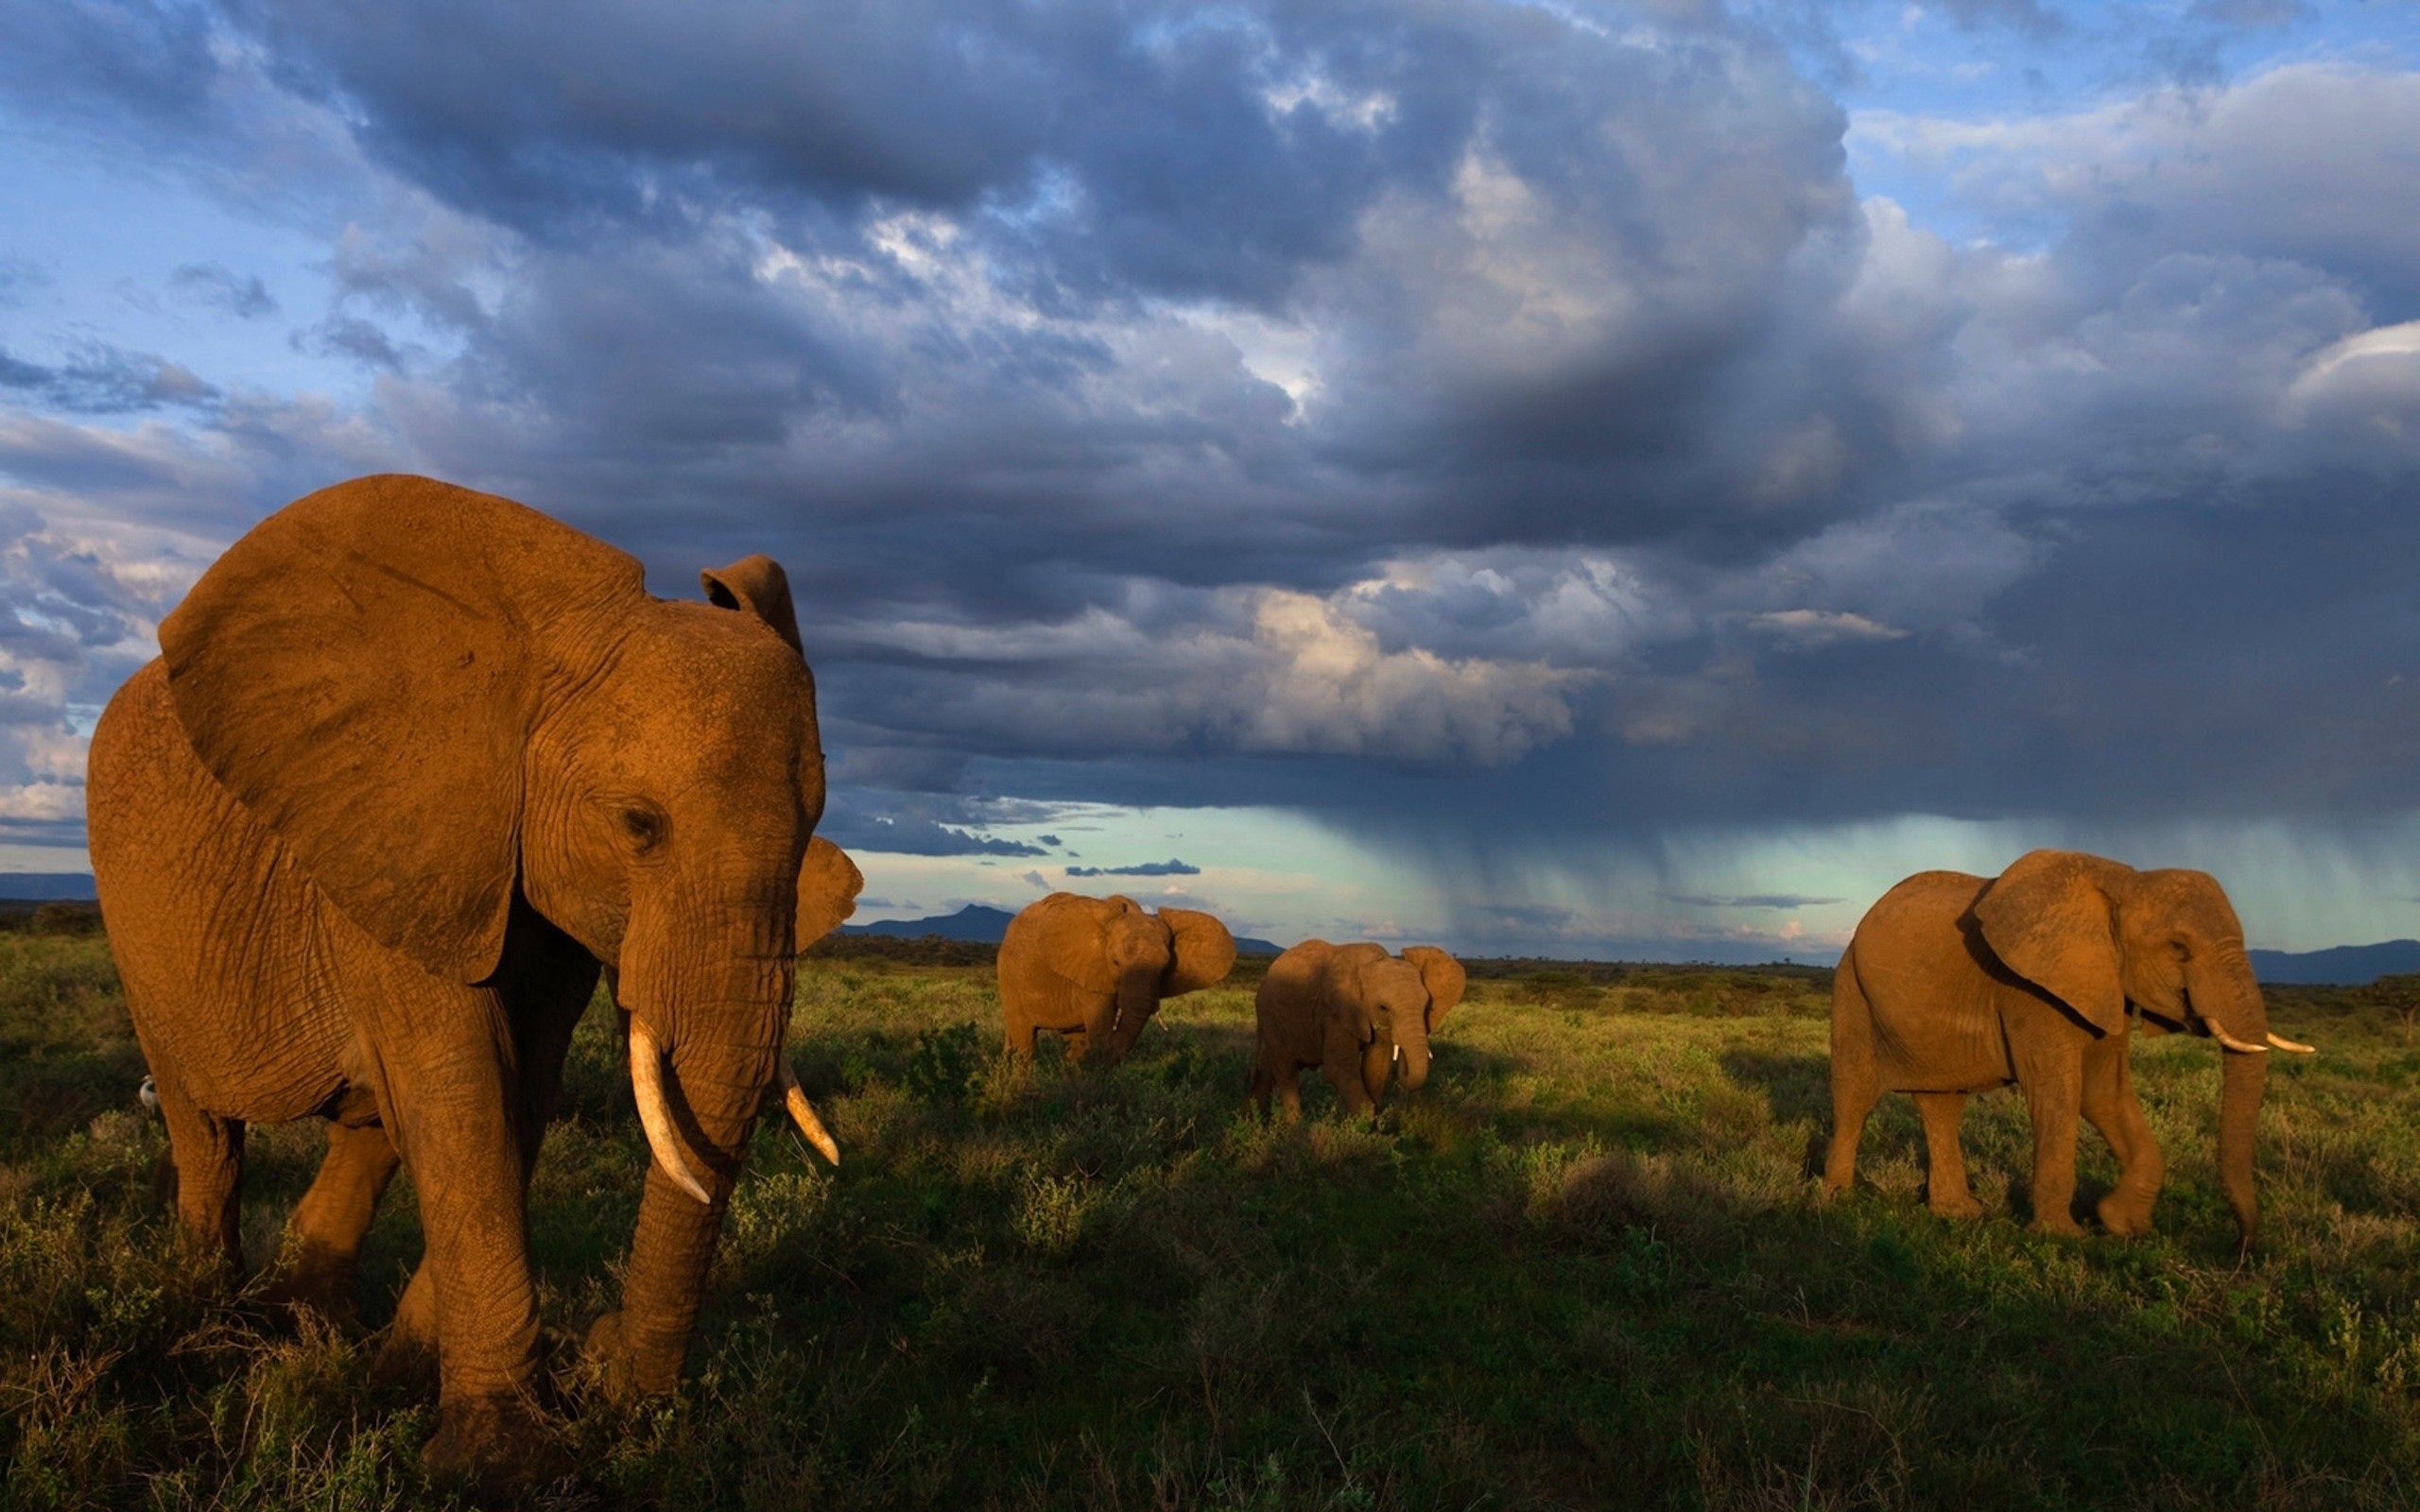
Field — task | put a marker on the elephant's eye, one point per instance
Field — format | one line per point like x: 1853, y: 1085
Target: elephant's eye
x: 643, y: 825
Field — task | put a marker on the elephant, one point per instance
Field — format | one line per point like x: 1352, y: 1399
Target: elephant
x: 1094, y: 971
x: 1354, y: 1011
x: 414, y: 767
x: 1955, y: 983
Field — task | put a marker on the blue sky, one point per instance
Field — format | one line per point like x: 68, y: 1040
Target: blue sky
x: 1594, y: 479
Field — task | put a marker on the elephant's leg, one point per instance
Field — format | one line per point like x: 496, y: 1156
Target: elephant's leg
x: 550, y: 995
x: 445, y: 1055
x: 1289, y: 1080
x: 2055, y: 1098
x: 209, y: 1155
x: 1856, y: 1077
x: 2109, y: 1102
x: 1855, y: 1090
x: 1073, y: 1046
x: 1945, y: 1190
x: 1261, y: 1083
x: 323, y: 1237
x: 1345, y: 1076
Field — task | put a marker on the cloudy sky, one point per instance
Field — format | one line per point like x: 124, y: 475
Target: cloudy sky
x: 1587, y: 478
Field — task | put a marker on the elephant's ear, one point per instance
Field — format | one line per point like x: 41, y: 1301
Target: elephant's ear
x: 1071, y: 931
x: 1200, y: 952
x: 758, y: 585
x: 828, y: 884
x: 2049, y: 921
x: 1443, y: 977
x: 362, y: 670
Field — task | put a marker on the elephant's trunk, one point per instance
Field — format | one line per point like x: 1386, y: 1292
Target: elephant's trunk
x: 2227, y: 998
x: 1138, y: 999
x: 1411, y: 1048
x: 709, y: 1039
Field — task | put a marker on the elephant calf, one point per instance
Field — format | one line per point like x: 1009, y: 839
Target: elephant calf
x: 1354, y: 1011
x: 1095, y: 970
x: 1954, y: 983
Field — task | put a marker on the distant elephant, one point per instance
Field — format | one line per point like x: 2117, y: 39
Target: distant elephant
x: 414, y: 763
x: 1354, y: 1011
x: 1956, y: 984
x: 1095, y: 969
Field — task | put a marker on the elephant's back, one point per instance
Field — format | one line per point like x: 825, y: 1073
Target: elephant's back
x: 1922, y: 900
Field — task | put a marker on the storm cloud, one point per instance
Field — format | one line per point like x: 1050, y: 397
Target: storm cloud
x: 1497, y: 433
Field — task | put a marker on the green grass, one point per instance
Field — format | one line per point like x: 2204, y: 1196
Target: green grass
x: 1581, y: 1269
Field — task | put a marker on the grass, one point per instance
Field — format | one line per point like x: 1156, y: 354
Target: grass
x: 1581, y: 1269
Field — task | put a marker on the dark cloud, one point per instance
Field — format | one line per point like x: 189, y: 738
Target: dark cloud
x: 1147, y: 869
x: 1476, y: 427
x: 1754, y: 900
x: 243, y: 296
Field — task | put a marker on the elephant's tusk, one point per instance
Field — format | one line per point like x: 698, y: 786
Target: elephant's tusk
x: 2290, y: 1046
x: 803, y: 1113
x: 655, y: 1115
x: 1398, y: 1052
x: 2240, y: 1046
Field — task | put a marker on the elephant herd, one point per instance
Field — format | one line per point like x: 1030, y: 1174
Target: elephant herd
x: 417, y: 767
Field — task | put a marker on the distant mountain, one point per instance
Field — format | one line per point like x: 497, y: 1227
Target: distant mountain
x: 984, y: 926
x: 2339, y: 964
x: 46, y: 886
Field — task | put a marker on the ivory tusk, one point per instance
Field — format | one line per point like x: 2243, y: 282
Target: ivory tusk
x: 2290, y: 1045
x: 803, y: 1113
x: 655, y: 1115
x: 1398, y: 1052
x: 2240, y: 1046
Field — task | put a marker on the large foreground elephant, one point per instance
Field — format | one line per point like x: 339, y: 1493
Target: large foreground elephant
x: 414, y: 763
x: 1955, y: 983
x: 1354, y: 1011
x: 1095, y: 969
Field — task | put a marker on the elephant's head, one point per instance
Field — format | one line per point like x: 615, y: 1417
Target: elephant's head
x: 1116, y: 946
x: 2098, y: 936
x: 1392, y: 1003
x: 451, y: 707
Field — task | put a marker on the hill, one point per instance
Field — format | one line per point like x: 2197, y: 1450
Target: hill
x: 980, y: 925
x: 2350, y: 964
x: 46, y: 886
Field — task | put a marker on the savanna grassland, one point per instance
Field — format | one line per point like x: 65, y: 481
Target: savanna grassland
x: 1582, y: 1268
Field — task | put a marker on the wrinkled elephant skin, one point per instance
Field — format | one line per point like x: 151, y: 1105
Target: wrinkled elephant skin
x: 414, y: 764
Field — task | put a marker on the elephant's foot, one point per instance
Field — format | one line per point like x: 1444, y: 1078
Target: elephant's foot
x: 498, y: 1443
x: 622, y: 1372
x: 1955, y: 1205
x: 2126, y: 1217
x: 2060, y: 1223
